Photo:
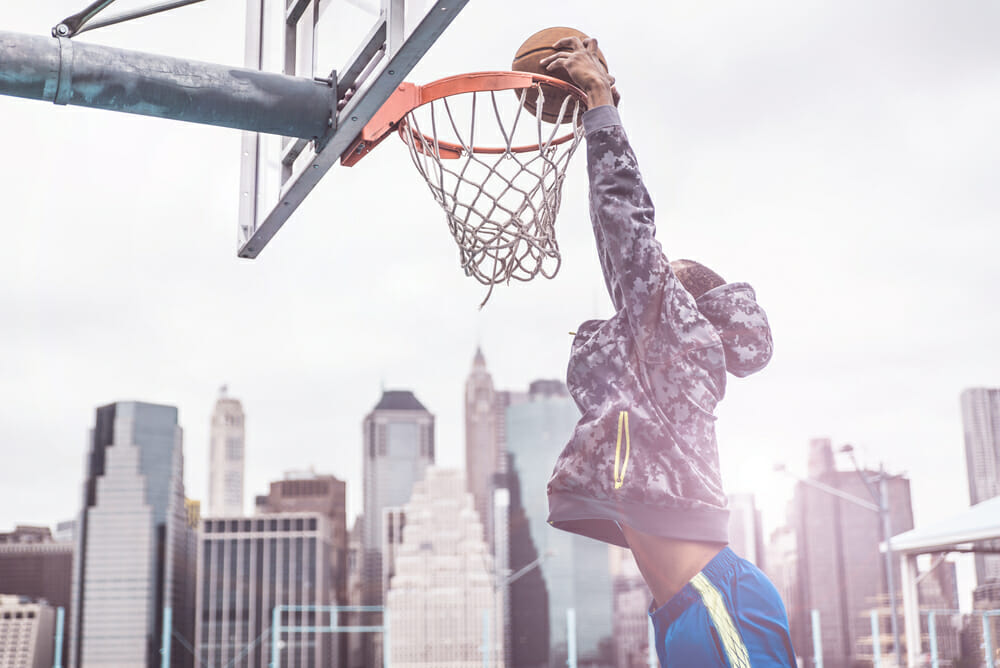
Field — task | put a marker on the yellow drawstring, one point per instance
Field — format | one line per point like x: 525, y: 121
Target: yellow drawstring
x: 622, y: 426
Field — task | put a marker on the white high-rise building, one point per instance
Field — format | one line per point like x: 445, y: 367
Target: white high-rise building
x: 443, y: 606
x: 26, y: 633
x: 227, y: 458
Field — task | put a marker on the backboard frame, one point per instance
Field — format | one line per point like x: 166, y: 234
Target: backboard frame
x: 384, y: 57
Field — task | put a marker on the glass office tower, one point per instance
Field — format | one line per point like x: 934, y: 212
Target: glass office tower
x: 578, y: 574
x: 132, y: 541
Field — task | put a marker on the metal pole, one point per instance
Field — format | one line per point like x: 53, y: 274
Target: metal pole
x: 933, y: 633
x: 911, y: 607
x: 890, y: 562
x: 987, y: 643
x: 654, y: 661
x: 817, y: 640
x: 65, y: 71
x: 136, y: 14
x: 876, y: 640
x: 571, y: 637
x: 60, y: 622
x: 386, y: 646
x: 275, y: 619
x: 486, y: 638
x: 167, y: 636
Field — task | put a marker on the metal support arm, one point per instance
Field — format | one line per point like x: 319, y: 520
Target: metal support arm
x: 66, y: 72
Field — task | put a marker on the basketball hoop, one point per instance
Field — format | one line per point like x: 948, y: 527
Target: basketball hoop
x: 494, y: 168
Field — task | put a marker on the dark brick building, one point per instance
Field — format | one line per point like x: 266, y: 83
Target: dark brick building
x: 32, y: 564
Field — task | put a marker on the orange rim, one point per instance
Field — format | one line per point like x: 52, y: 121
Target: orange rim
x: 484, y: 82
x: 407, y: 97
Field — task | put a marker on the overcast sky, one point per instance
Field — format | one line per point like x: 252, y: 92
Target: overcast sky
x: 840, y: 155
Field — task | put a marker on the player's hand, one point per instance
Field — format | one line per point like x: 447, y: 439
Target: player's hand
x: 579, y: 58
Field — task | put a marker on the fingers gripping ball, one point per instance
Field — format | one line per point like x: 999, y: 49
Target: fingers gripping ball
x: 528, y: 58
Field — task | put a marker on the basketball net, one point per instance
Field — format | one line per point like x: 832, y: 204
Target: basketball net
x: 495, y: 168
x: 501, y: 204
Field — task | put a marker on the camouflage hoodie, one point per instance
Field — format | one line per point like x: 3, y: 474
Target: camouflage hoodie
x: 648, y: 379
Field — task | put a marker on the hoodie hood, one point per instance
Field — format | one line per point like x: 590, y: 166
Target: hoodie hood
x: 741, y: 323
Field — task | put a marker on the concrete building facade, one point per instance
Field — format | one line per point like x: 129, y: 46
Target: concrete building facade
x: 247, y: 567
x: 26, y: 633
x: 307, y: 491
x: 34, y: 565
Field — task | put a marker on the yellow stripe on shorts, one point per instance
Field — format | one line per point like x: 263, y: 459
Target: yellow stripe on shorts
x: 732, y: 643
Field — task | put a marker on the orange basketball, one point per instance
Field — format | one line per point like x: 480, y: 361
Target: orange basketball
x: 527, y: 59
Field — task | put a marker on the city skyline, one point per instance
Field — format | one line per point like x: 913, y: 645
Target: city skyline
x: 771, y: 523
x: 131, y: 414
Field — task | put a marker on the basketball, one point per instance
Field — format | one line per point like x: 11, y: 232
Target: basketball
x: 528, y: 58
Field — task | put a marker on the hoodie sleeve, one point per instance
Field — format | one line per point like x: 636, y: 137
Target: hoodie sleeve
x: 662, y: 315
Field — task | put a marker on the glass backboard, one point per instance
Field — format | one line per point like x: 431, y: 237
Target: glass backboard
x: 362, y: 49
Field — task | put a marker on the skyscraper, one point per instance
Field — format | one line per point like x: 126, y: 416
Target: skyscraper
x: 398, y: 448
x: 487, y: 474
x: 483, y: 449
x: 132, y: 541
x: 443, y: 607
x: 398, y: 438
x: 227, y: 457
x: 577, y: 573
x: 841, y: 571
x: 981, y: 423
x: 247, y: 567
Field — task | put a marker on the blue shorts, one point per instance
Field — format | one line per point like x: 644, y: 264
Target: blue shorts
x: 729, y: 615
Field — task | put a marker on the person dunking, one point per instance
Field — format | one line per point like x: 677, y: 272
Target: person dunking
x: 642, y: 467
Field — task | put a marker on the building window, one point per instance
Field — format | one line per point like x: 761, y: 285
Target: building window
x: 234, y: 448
x: 234, y: 484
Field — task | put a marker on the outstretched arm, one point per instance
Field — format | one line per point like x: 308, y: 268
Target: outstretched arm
x: 662, y: 315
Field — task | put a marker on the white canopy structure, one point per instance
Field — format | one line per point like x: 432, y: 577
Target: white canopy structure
x: 976, y: 523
